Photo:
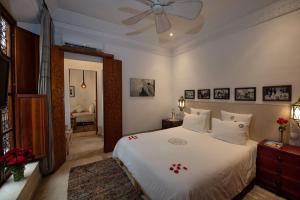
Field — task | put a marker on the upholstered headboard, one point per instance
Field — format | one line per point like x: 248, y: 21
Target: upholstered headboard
x: 263, y: 124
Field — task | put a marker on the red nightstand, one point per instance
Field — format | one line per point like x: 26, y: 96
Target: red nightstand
x: 279, y: 169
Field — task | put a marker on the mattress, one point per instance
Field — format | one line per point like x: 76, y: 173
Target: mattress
x: 181, y: 164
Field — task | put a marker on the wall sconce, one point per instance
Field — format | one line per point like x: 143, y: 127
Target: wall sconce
x: 295, y: 112
x: 181, y: 103
x: 83, y: 85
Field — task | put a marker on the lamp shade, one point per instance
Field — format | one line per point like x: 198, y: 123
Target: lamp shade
x: 295, y: 111
x: 181, y: 103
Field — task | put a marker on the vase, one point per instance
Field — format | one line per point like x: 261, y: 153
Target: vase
x: 281, y: 137
x: 18, y: 173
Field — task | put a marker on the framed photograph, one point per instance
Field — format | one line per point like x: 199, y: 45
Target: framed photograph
x: 142, y: 87
x: 72, y: 91
x: 204, y: 94
x: 277, y: 93
x: 222, y: 93
x: 189, y: 94
x: 245, y: 94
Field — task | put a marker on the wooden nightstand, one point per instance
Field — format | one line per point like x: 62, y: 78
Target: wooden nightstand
x: 167, y: 123
x: 279, y: 169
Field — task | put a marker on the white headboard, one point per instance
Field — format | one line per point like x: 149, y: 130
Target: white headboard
x: 263, y: 124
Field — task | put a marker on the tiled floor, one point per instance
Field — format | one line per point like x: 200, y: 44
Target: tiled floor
x: 87, y: 148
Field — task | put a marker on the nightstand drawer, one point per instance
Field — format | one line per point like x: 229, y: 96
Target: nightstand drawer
x: 269, y: 153
x: 268, y: 179
x: 266, y: 163
x: 290, y: 159
x: 291, y: 171
x: 291, y: 188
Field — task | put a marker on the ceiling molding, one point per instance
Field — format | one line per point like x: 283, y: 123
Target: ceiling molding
x: 83, y: 36
x: 266, y: 14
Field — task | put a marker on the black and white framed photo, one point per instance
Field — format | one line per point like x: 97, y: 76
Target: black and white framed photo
x: 277, y: 93
x: 245, y: 94
x: 189, y: 94
x: 142, y: 87
x: 72, y: 91
x: 204, y: 94
x: 222, y: 93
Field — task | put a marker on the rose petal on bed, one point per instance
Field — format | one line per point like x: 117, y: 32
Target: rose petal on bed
x: 174, y: 165
x: 179, y: 164
x: 171, y: 168
x: 185, y: 168
x: 176, y: 171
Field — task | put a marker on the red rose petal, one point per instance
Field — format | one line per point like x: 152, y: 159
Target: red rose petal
x: 171, y: 168
x: 185, y: 168
x: 176, y: 171
x: 178, y: 168
x: 173, y: 165
x: 179, y: 164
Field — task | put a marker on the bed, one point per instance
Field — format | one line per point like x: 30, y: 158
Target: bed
x: 180, y: 164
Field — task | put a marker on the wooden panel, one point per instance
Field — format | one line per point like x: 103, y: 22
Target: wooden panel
x: 31, y: 123
x: 58, y: 110
x: 27, y: 61
x: 112, y: 102
x: 86, y: 52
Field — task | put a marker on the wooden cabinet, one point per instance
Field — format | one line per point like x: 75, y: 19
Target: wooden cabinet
x: 167, y: 123
x: 279, y: 169
x: 31, y: 123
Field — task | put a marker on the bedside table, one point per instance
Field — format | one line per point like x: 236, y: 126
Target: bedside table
x: 167, y: 123
x: 279, y: 169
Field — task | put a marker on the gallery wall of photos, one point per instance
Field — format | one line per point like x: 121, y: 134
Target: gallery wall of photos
x: 269, y: 93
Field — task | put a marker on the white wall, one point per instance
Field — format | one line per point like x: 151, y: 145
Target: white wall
x: 267, y: 54
x: 77, y: 61
x: 83, y: 96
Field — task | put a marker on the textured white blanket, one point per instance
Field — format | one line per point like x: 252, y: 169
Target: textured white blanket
x: 182, y: 164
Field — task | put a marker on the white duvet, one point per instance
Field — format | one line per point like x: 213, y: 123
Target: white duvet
x: 209, y: 168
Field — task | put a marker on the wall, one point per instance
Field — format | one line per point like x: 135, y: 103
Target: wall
x: 83, y: 96
x: 266, y: 54
x: 77, y: 61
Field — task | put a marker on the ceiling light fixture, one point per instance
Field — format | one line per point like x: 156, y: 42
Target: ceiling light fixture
x: 171, y: 34
x: 83, y: 85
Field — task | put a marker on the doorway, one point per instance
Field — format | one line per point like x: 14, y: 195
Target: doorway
x: 83, y: 105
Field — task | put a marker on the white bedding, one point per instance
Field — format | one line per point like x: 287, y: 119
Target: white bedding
x: 215, y: 169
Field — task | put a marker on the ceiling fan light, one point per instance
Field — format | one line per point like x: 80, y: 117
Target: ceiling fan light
x: 171, y: 34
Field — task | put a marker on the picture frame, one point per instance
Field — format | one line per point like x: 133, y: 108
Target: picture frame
x: 203, y: 94
x: 189, y: 94
x: 222, y: 93
x: 277, y: 93
x: 142, y: 87
x: 72, y: 91
x: 245, y: 94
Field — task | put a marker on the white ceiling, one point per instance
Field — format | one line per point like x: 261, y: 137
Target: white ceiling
x: 106, y: 16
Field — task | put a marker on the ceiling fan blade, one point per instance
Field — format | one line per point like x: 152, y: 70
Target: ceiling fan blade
x: 146, y: 2
x: 162, y: 23
x: 139, y: 31
x: 188, y: 9
x: 135, y: 19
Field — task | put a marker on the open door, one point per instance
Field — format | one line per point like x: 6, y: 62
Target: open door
x: 112, y: 102
x: 58, y: 105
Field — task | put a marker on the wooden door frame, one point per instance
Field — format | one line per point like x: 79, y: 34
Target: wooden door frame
x: 95, y: 53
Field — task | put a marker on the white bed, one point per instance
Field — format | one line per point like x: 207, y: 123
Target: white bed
x: 215, y: 169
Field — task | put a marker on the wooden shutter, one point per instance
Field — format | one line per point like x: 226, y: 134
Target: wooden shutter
x: 112, y: 102
x: 27, y: 61
x: 31, y: 123
x: 58, y: 105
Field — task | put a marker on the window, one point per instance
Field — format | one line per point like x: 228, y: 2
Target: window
x: 7, y: 131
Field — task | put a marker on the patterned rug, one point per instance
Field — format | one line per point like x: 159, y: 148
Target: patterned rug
x: 100, y: 180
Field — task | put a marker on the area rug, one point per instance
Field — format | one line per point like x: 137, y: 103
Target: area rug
x: 100, y: 180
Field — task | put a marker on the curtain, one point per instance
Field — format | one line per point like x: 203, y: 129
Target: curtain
x: 44, y: 87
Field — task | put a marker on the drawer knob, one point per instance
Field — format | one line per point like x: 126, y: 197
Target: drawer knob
x: 279, y: 171
x: 279, y: 158
x: 277, y: 183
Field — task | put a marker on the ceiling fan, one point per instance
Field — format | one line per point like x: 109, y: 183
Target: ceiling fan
x: 187, y: 9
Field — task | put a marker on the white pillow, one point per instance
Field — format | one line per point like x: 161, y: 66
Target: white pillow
x: 79, y: 109
x: 230, y: 131
x: 92, y: 108
x: 194, y: 122
x: 228, y: 116
x: 197, y: 111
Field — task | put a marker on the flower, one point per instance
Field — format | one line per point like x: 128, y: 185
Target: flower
x: 282, y: 121
x: 17, y: 157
